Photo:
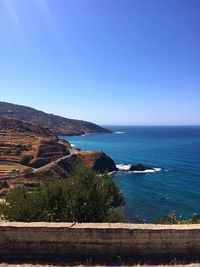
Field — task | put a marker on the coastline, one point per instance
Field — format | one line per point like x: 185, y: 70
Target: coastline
x: 150, y: 195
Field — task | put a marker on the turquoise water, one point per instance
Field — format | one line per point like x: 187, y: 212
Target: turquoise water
x: 149, y: 195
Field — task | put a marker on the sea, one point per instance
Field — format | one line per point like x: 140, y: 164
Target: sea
x: 174, y: 152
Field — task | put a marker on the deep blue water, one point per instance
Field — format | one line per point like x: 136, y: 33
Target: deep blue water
x: 150, y: 195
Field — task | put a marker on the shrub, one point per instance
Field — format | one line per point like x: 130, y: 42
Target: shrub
x: 27, y: 172
x: 19, y: 204
x: 17, y: 151
x: 14, y: 172
x: 195, y: 218
x: 7, y: 152
x: 169, y: 219
x: 84, y: 197
x: 93, y: 197
x: 173, y: 219
x: 3, y: 184
x: 26, y: 159
x: 26, y: 147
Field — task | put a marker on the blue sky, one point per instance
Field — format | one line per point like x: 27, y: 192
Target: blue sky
x: 107, y: 61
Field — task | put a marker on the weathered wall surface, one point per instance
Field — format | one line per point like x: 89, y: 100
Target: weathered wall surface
x: 101, y: 241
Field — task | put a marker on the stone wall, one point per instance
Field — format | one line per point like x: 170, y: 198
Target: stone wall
x: 99, y: 241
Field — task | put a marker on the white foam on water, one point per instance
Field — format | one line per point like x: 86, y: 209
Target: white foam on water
x: 111, y: 173
x: 88, y: 134
x: 72, y: 145
x: 157, y: 169
x: 126, y: 167
x: 149, y: 171
x: 123, y: 167
x: 118, y: 132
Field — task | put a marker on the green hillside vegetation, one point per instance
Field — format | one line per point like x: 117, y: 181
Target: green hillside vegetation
x: 173, y: 218
x: 85, y: 197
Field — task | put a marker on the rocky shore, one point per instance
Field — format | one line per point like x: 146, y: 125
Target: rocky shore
x: 31, y: 154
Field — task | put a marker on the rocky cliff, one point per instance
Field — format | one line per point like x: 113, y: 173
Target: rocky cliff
x: 98, y: 161
x: 57, y: 124
x: 31, y: 154
x: 62, y: 167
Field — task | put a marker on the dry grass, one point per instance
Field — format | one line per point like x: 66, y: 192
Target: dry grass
x: 6, y: 168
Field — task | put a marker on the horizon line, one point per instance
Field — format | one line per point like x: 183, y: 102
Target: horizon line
x: 152, y: 125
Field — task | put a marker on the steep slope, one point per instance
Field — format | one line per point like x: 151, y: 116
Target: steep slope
x: 31, y: 154
x: 62, y: 167
x: 24, y: 144
x: 57, y: 124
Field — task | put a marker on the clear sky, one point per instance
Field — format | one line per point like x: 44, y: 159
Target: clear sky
x: 107, y: 61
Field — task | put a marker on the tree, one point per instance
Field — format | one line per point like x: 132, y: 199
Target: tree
x: 93, y: 197
x: 26, y: 159
x: 85, y: 197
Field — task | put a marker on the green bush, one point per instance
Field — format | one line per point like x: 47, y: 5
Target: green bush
x: 7, y: 152
x: 26, y: 159
x: 84, y: 197
x: 195, y: 218
x: 169, y: 219
x: 17, y: 151
x: 3, y: 184
x: 172, y: 218
x: 93, y: 197
x: 27, y: 172
x: 14, y: 172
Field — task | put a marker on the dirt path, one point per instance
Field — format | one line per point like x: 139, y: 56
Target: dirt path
x: 47, y: 166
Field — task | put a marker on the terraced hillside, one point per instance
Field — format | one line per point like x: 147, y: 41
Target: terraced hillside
x: 31, y: 154
x: 25, y: 145
x: 57, y: 124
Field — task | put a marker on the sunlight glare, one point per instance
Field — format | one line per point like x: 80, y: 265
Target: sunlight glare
x: 48, y: 17
x: 13, y: 15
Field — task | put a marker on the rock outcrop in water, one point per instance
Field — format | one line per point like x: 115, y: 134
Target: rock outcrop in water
x: 99, y: 161
x: 140, y: 167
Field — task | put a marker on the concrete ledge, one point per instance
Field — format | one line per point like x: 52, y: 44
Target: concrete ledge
x: 98, y: 241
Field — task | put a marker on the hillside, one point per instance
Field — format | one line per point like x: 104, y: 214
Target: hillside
x: 57, y: 124
x: 24, y: 145
x: 30, y: 154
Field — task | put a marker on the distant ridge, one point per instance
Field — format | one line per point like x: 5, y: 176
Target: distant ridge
x: 57, y: 124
